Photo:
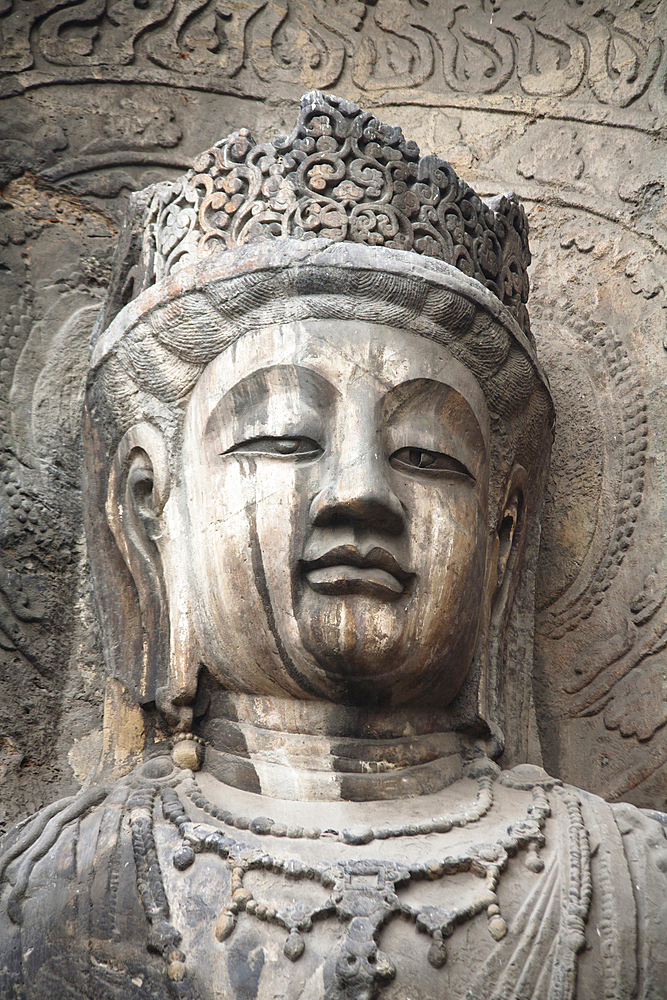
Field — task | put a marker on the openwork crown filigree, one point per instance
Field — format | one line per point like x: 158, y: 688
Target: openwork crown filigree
x: 340, y: 175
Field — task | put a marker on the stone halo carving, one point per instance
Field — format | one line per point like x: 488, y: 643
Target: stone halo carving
x: 610, y: 505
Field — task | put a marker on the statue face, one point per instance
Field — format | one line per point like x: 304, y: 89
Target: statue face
x: 330, y: 524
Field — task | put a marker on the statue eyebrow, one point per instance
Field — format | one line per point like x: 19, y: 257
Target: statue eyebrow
x: 252, y: 393
x: 450, y: 400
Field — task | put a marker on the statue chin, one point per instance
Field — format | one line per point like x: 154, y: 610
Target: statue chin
x: 319, y: 467
x: 355, y: 638
x: 348, y: 649
x: 367, y: 651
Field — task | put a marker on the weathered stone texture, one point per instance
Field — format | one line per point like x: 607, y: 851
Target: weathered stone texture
x: 563, y: 103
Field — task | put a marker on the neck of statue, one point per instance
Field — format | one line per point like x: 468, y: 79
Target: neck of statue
x: 316, y: 750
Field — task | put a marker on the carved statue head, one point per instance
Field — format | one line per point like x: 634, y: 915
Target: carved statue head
x: 317, y: 430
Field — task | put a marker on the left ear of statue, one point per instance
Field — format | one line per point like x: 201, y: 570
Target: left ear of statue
x: 508, y: 540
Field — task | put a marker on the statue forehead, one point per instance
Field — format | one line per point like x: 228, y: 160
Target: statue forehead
x: 252, y: 285
x: 345, y: 353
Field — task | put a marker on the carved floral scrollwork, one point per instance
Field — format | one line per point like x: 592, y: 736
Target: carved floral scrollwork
x: 561, y: 47
x: 402, y: 53
x: 341, y: 174
x: 309, y: 44
x: 477, y: 57
x: 541, y: 42
x: 85, y: 34
x: 611, y: 52
x: 211, y: 37
x: 621, y: 66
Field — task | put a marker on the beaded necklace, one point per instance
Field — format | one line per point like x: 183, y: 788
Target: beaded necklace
x: 361, y: 968
x: 265, y: 826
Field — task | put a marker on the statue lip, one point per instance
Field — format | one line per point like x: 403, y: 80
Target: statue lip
x: 344, y: 570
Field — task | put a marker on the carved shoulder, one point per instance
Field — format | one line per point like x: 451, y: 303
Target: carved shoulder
x: 644, y: 838
x: 71, y: 919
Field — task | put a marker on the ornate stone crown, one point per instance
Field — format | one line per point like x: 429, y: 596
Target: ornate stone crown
x: 344, y: 176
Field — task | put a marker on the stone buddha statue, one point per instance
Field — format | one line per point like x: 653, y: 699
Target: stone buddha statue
x: 318, y: 437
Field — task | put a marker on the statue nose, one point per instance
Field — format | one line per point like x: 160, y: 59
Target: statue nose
x: 358, y: 493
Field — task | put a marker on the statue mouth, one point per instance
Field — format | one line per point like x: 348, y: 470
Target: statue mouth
x: 344, y: 570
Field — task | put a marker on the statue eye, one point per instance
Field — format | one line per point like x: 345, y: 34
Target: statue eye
x: 298, y: 447
x: 418, y: 459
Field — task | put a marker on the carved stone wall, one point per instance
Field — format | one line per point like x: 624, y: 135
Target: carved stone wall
x: 563, y: 102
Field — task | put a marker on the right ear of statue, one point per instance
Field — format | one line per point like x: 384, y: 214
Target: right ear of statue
x: 138, y: 489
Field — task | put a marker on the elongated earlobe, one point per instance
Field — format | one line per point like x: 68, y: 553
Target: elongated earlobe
x: 509, y: 535
x: 503, y: 580
x: 137, y: 491
x: 139, y: 486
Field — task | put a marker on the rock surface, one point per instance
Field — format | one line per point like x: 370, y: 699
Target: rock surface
x: 564, y: 104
